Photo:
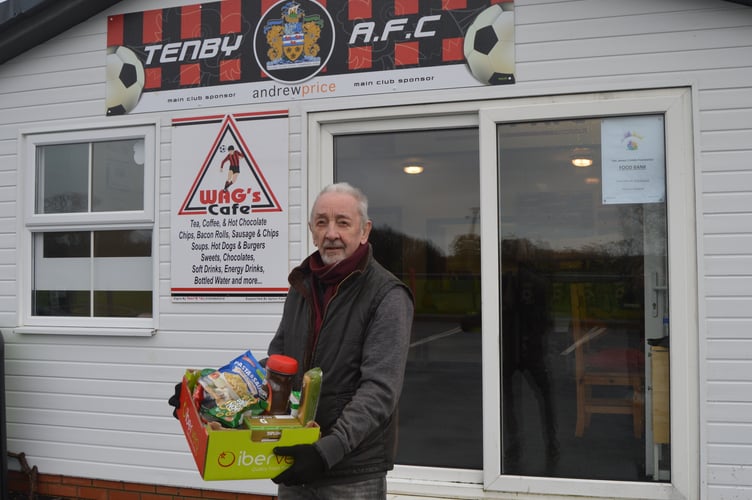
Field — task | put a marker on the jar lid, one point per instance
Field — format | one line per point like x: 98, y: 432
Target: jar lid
x: 282, y: 364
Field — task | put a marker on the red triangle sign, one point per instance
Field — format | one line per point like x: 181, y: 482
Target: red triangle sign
x: 230, y: 180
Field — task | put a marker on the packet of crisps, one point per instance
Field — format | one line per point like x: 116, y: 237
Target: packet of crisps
x: 233, y: 389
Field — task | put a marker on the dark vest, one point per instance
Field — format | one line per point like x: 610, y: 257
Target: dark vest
x: 338, y: 352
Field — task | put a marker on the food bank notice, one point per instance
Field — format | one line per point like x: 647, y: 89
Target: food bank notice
x: 229, y: 207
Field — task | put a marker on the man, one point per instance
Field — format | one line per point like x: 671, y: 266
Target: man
x: 351, y: 317
x: 233, y: 157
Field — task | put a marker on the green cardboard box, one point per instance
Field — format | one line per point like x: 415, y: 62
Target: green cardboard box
x: 236, y: 454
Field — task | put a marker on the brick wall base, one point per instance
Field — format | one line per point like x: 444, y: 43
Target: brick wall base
x: 77, y: 488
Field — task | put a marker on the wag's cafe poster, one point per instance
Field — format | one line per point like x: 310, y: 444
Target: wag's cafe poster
x: 229, y: 207
x: 234, y: 52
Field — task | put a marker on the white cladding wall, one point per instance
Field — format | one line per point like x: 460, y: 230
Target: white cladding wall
x: 96, y: 406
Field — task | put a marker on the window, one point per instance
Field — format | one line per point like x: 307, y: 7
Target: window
x: 89, y: 228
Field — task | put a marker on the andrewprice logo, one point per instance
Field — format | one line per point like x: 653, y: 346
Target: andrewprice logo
x: 294, y: 40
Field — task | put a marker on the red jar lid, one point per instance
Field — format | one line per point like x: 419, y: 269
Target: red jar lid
x: 282, y: 364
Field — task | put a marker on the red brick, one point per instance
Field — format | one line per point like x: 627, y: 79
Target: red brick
x: 76, y: 480
x: 58, y: 490
x: 219, y: 495
x: 146, y: 488
x: 151, y: 496
x: 107, y: 485
x: 167, y: 490
x: 50, y: 478
x: 124, y: 495
x: 92, y: 493
x: 191, y: 493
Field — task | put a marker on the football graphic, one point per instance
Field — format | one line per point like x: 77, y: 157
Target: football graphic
x: 125, y: 80
x: 489, y: 45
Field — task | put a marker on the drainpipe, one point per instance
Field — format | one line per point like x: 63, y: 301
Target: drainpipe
x: 3, y: 439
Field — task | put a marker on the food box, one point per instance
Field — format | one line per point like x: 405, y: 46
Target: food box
x: 236, y: 453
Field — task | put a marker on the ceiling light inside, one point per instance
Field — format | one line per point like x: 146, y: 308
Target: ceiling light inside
x: 582, y: 157
x: 413, y: 166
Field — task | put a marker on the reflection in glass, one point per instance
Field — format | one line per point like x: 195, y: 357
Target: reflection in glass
x: 62, y: 179
x: 115, y: 281
x: 117, y: 178
x: 574, y: 322
x: 427, y: 232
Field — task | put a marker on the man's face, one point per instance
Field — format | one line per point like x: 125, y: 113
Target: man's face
x: 336, y: 227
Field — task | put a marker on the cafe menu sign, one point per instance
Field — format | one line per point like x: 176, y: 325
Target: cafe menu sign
x: 229, y: 207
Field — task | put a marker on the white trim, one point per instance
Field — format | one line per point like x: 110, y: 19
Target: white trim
x: 99, y: 331
x: 675, y: 103
x: 28, y: 222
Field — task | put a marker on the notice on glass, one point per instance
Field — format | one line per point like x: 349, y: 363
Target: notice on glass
x: 229, y: 235
x: 633, y: 160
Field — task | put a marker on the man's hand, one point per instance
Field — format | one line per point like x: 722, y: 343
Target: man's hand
x: 175, y: 399
x: 309, y: 465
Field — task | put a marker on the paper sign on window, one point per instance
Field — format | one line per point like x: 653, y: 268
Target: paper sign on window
x: 633, y: 160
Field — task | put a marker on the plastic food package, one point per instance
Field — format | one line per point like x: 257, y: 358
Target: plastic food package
x: 233, y: 390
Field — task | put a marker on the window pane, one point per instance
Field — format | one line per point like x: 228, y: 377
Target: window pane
x: 130, y: 243
x: 122, y: 273
x: 575, y: 328
x: 61, y: 274
x: 117, y: 279
x: 62, y: 179
x: 426, y: 231
x: 122, y: 304
x: 118, y: 175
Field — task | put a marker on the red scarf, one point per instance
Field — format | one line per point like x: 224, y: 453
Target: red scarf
x: 326, y: 277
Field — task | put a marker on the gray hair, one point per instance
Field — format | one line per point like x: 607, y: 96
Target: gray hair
x: 345, y: 188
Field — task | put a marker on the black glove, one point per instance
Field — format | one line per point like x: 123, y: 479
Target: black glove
x: 309, y: 465
x: 175, y: 399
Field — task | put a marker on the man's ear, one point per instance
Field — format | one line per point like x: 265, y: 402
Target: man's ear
x: 313, y: 239
x: 366, y: 232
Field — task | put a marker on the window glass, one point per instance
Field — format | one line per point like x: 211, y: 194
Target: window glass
x: 118, y: 176
x: 62, y: 175
x: 426, y: 230
x: 115, y: 282
x: 583, y: 295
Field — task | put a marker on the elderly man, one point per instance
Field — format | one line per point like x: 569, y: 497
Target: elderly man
x: 348, y: 315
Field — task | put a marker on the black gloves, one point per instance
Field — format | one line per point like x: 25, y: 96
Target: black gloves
x: 309, y: 465
x: 175, y: 399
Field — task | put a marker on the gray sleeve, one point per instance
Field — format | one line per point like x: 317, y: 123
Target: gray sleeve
x: 382, y: 374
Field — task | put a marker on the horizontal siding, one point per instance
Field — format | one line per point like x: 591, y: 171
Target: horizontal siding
x: 728, y: 265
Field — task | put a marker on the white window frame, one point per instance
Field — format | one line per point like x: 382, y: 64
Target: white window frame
x: 31, y: 222
x: 675, y: 105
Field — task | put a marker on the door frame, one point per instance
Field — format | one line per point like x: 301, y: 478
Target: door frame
x: 675, y: 105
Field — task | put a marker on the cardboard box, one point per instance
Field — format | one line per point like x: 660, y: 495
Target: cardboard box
x: 234, y: 454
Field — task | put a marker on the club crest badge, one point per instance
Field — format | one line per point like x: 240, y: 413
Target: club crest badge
x: 294, y: 40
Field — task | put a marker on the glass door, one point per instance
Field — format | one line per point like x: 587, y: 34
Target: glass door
x: 574, y: 209
x: 590, y: 200
x: 519, y: 258
x: 424, y: 195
